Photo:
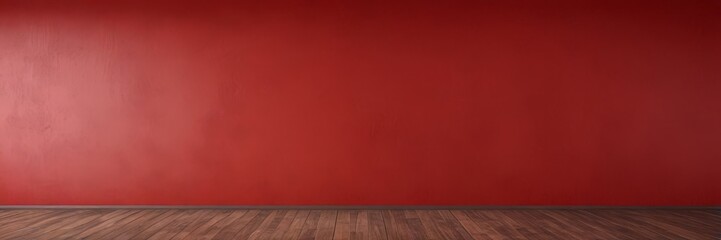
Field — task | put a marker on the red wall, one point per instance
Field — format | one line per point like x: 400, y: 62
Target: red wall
x: 492, y: 103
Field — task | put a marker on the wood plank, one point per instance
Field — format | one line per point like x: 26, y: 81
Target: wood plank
x: 177, y: 225
x: 475, y: 230
x: 25, y: 215
x: 295, y: 227
x: 269, y: 222
x: 366, y: 224
x: 400, y: 227
x: 310, y: 226
x: 376, y: 225
x: 203, y: 229
x: 234, y: 228
x: 499, y: 222
x: 52, y: 225
x: 40, y: 223
x: 360, y: 224
x: 114, y: 214
x: 390, y: 225
x: 120, y: 225
x: 206, y: 216
x: 105, y: 225
x: 599, y: 229
x: 536, y: 225
x: 342, y: 226
x: 155, y: 228
x: 22, y: 218
x: 282, y: 227
x: 135, y: 227
x: 550, y: 226
x: 621, y: 225
x: 7, y: 215
x: 253, y: 225
x: 73, y: 225
x: 359, y: 227
x: 430, y: 221
x: 415, y: 225
x: 451, y: 227
x: 213, y: 230
x: 644, y: 220
x: 326, y: 224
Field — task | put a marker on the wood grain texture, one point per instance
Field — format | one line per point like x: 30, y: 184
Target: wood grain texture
x: 360, y: 224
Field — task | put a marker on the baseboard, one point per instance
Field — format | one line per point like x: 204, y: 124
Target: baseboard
x: 360, y: 207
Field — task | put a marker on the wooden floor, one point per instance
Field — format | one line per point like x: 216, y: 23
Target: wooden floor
x: 359, y: 224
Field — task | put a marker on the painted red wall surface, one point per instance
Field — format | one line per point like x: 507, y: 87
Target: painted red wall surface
x: 357, y: 102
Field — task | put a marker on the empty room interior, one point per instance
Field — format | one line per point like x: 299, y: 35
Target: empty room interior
x: 398, y: 119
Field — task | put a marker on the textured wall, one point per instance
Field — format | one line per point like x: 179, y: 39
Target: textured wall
x: 133, y: 102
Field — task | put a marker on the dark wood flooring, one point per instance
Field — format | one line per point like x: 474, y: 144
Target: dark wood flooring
x: 358, y: 224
